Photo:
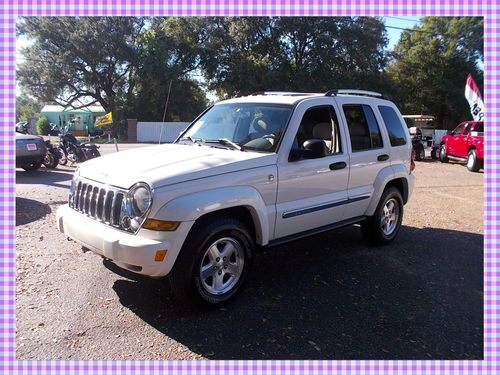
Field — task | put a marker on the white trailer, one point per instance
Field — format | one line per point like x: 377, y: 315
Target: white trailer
x: 425, y: 137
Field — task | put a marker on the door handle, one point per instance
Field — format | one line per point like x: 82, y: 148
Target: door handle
x: 338, y: 165
x: 383, y: 157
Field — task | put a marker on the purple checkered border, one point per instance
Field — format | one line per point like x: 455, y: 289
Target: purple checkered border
x: 9, y: 10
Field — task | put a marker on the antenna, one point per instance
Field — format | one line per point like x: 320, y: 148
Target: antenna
x: 165, y: 112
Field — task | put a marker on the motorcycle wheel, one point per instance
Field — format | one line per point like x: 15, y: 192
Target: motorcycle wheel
x: 50, y: 161
x: 62, y: 157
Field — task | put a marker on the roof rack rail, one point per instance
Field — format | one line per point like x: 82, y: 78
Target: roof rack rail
x: 336, y: 92
x: 288, y: 93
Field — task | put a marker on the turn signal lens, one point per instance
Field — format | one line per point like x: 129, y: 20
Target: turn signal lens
x: 154, y: 224
x: 160, y: 255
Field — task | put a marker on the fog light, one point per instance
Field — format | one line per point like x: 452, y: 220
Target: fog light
x: 160, y: 255
x: 154, y: 224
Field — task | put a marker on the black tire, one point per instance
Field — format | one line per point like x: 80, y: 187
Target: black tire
x: 435, y: 153
x: 473, y: 163
x: 62, y: 159
x: 50, y: 161
x: 185, y: 278
x: 31, y: 167
x: 443, y: 156
x: 372, y: 228
x: 420, y: 153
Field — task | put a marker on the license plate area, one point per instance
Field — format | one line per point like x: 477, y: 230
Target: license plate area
x: 31, y: 146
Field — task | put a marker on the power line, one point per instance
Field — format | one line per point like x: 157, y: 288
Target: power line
x: 410, y: 30
x: 402, y: 19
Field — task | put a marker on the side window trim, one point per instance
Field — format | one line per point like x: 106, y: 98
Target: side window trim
x: 348, y: 130
x: 335, y: 127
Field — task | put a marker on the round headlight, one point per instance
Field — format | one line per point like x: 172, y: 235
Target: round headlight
x: 141, y: 199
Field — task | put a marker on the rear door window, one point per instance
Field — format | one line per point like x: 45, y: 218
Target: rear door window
x: 363, y: 127
x: 397, y: 135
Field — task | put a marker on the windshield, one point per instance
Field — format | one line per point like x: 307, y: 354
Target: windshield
x: 249, y: 126
x: 479, y: 127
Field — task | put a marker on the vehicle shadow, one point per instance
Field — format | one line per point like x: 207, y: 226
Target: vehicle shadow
x: 53, y: 177
x: 332, y: 297
x: 29, y: 210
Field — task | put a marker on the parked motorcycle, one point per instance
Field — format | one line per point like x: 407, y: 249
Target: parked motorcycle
x: 73, y: 150
x: 53, y: 155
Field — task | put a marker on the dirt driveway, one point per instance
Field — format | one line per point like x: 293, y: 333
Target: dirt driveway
x: 327, y: 297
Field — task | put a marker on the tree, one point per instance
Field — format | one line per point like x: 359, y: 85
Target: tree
x: 80, y: 61
x: 43, y: 126
x: 26, y: 108
x: 169, y: 58
x: 431, y: 64
x: 247, y: 54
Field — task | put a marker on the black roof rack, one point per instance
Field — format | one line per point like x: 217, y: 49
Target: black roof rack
x: 336, y: 92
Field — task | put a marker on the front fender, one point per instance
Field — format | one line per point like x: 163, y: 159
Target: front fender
x: 191, y: 207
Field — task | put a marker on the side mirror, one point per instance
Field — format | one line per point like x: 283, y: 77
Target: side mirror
x: 313, y: 149
x: 450, y: 132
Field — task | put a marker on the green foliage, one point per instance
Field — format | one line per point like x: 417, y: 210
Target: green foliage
x: 430, y: 66
x: 43, y: 126
x: 26, y: 108
x: 242, y: 55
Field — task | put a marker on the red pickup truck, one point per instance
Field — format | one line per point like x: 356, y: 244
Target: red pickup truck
x: 465, y: 144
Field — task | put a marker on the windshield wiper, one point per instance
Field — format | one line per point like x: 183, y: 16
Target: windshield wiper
x: 193, y: 140
x: 225, y: 142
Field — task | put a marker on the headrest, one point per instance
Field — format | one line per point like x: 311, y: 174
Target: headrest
x: 323, y: 130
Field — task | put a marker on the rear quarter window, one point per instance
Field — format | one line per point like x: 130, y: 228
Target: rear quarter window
x: 397, y: 134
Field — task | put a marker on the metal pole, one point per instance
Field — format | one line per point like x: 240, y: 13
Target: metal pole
x: 165, y: 112
x: 116, y: 144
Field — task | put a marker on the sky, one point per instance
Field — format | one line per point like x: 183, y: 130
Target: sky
x: 398, y: 23
x: 390, y: 22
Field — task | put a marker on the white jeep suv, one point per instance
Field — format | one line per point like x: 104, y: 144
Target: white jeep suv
x: 254, y: 171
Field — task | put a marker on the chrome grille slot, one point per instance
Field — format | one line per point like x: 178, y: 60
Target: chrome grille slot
x: 77, y: 194
x: 100, y: 204
x: 93, y: 201
x: 116, y: 209
x: 86, y: 205
x: 81, y: 201
x: 107, y: 206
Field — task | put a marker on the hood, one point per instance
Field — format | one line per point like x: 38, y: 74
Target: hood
x: 169, y: 164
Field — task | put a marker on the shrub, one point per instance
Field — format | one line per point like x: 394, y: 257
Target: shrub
x: 43, y: 126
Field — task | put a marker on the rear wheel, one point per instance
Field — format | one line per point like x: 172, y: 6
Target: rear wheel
x: 473, y: 163
x: 62, y: 156
x: 213, y: 263
x: 32, y: 166
x: 384, y: 225
x: 420, y: 153
x: 50, y: 161
x: 443, y: 156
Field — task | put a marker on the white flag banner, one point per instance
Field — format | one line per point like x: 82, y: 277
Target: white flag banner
x: 473, y: 96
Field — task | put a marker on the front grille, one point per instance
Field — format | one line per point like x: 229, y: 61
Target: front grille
x: 99, y: 202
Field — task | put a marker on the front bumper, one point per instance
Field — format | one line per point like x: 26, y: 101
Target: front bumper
x: 134, y: 252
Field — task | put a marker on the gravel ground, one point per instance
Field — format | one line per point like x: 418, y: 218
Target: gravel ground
x: 326, y: 297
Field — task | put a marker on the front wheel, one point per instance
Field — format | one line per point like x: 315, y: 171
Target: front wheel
x: 383, y: 227
x: 443, y: 156
x: 213, y: 263
x: 473, y: 163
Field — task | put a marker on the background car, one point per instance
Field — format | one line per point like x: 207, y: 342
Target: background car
x: 30, y: 151
x: 464, y: 144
